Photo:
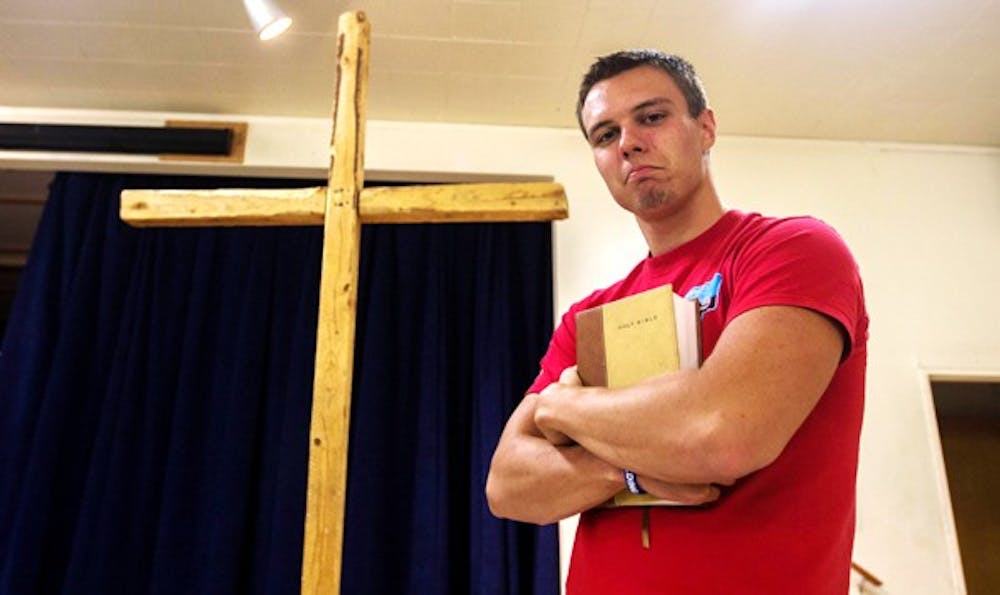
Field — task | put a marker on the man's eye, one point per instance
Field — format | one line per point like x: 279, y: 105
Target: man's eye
x: 604, y: 137
x: 654, y: 117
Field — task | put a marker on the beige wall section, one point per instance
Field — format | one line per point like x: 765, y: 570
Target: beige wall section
x: 924, y: 223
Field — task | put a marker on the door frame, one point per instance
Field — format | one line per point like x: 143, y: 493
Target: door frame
x: 928, y: 377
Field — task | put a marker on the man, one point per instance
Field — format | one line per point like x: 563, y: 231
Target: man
x: 760, y: 444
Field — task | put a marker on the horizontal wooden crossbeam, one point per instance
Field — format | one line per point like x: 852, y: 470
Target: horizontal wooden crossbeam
x: 307, y: 206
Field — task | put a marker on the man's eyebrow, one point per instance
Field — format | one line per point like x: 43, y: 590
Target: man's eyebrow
x: 651, y: 103
x: 638, y: 108
x: 596, y: 127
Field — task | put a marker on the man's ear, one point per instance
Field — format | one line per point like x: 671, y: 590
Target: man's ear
x: 707, y: 122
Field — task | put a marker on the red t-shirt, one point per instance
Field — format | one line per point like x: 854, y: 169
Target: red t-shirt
x: 786, y: 528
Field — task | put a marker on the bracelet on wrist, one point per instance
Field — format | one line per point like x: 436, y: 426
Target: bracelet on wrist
x: 632, y: 483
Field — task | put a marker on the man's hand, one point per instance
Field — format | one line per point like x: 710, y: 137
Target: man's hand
x: 532, y: 480
x: 690, y: 494
x: 568, y: 379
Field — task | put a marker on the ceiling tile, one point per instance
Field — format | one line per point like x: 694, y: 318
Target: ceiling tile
x: 509, y: 59
x: 428, y: 18
x: 163, y: 44
x: 407, y: 96
x: 416, y: 55
x: 676, y: 28
x: 490, y: 99
x: 556, y: 22
x: 40, y: 40
x: 56, y: 73
x: 484, y: 20
x: 313, y: 17
x: 610, y: 26
x: 24, y: 9
x: 304, y: 51
x: 74, y: 95
x: 102, y: 42
x: 479, y: 98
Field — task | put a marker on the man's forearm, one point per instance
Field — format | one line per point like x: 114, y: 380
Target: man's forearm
x: 729, y: 418
x: 535, y: 481
x: 644, y: 428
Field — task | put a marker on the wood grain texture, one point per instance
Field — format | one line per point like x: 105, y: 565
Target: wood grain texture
x: 327, y: 485
x: 464, y: 203
x: 205, y: 208
x: 307, y: 206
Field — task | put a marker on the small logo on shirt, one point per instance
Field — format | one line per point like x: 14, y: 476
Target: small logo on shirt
x: 707, y: 294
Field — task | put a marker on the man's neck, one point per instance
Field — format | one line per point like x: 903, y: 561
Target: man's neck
x: 669, y: 232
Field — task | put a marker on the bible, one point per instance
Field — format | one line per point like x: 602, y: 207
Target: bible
x: 636, y: 337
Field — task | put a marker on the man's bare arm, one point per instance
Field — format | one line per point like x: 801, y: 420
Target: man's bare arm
x: 713, y: 425
x: 542, y: 479
x: 535, y: 481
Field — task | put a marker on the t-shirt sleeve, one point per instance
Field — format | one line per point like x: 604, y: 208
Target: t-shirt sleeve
x: 801, y: 262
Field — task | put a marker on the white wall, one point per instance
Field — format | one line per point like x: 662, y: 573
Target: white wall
x: 924, y: 223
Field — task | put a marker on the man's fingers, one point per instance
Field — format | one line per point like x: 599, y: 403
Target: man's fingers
x: 679, y: 492
x: 570, y: 377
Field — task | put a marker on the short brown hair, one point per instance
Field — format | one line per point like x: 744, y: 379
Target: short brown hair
x: 679, y: 69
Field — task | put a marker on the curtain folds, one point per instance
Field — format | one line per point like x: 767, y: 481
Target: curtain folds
x: 156, y: 387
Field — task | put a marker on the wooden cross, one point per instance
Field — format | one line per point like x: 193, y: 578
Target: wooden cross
x: 341, y: 207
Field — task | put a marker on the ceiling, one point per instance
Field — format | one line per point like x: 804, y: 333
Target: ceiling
x: 923, y: 71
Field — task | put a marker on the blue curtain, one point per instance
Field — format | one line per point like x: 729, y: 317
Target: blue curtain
x: 156, y: 387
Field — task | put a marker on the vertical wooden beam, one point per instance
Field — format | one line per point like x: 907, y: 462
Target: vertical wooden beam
x: 327, y: 486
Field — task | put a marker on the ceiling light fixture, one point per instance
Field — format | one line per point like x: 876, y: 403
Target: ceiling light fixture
x: 269, y: 21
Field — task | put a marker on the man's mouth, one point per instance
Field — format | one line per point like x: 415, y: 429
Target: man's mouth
x: 639, y: 173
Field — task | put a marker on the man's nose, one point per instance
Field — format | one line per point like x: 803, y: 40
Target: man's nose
x: 630, y: 143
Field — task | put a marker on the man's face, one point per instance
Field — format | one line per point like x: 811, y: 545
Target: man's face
x: 647, y: 147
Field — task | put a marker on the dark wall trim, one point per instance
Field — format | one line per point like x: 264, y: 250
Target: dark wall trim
x: 132, y: 140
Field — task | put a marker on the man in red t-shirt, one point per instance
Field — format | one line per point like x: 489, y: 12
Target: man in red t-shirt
x: 760, y: 444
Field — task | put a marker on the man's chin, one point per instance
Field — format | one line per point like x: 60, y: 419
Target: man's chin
x: 652, y: 199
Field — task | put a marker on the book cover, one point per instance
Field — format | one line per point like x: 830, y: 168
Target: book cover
x: 628, y: 340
